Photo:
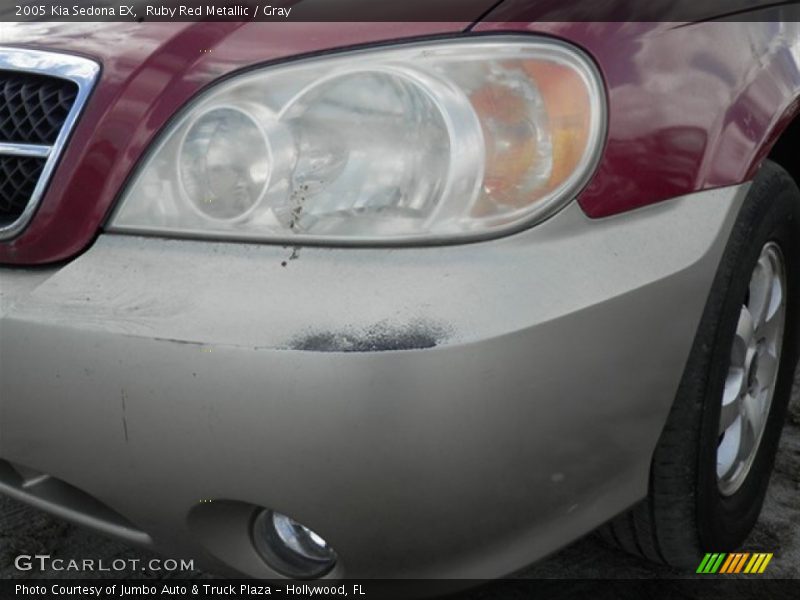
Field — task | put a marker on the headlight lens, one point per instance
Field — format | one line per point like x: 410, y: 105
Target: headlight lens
x: 224, y: 164
x: 424, y: 142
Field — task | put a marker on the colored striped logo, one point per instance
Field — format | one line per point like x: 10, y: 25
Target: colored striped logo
x: 738, y: 562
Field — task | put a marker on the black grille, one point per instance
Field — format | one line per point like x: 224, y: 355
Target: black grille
x: 18, y: 177
x: 33, y: 108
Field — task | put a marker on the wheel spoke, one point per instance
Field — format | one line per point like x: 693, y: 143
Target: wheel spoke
x: 746, y: 440
x: 730, y: 412
x: 761, y: 290
x: 745, y: 336
x: 728, y: 449
x: 771, y: 331
x: 776, y: 298
x: 735, y: 385
x: 752, y: 411
x: 767, y: 371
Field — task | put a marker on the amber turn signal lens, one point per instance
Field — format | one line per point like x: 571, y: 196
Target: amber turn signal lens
x: 536, y: 119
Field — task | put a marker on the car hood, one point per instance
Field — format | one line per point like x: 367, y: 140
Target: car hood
x: 117, y: 44
x: 314, y: 25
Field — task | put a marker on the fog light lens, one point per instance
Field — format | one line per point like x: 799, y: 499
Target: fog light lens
x: 292, y: 548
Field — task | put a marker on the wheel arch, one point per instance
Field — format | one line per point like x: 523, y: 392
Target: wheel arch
x: 785, y: 142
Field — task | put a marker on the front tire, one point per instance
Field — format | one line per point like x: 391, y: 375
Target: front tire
x: 713, y: 461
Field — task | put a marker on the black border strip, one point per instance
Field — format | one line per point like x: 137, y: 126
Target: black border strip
x: 468, y: 11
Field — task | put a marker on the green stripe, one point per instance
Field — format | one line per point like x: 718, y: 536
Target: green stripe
x: 718, y: 564
x: 711, y: 562
x: 703, y: 564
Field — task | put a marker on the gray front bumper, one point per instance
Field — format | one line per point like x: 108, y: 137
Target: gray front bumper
x: 432, y: 412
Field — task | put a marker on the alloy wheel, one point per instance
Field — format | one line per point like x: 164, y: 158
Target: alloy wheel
x: 753, y: 371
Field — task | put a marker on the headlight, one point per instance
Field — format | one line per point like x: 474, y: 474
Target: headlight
x: 423, y: 142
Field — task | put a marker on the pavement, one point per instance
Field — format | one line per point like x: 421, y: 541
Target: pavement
x: 24, y: 530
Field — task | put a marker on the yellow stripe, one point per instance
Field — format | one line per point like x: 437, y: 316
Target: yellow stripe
x: 740, y: 564
x: 761, y: 558
x: 727, y: 563
x: 753, y: 564
x: 765, y: 563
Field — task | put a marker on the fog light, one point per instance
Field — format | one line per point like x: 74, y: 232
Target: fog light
x: 292, y: 548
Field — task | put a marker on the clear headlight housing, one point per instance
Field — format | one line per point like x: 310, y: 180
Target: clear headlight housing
x: 424, y: 142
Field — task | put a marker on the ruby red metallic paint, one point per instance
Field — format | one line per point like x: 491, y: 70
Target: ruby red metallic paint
x: 690, y: 107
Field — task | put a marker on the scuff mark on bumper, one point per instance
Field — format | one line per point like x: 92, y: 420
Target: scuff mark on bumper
x: 381, y: 337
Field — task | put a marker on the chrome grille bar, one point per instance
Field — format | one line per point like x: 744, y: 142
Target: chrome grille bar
x: 34, y: 150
